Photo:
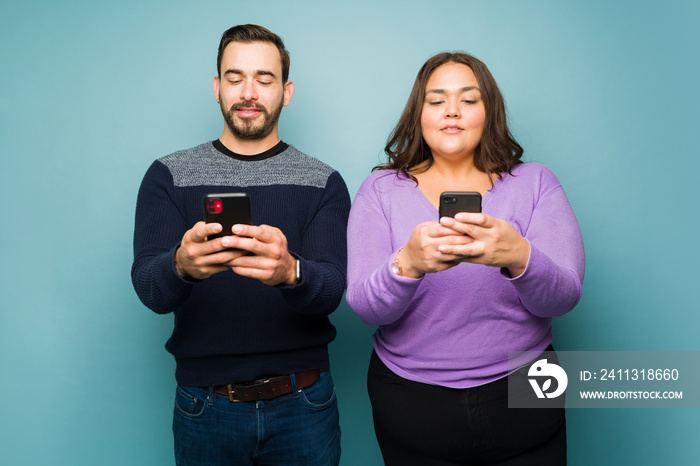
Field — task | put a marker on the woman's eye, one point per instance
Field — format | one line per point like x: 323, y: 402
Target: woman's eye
x: 437, y: 102
x: 469, y: 101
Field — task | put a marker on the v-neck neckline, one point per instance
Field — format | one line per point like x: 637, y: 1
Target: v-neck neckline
x: 431, y: 209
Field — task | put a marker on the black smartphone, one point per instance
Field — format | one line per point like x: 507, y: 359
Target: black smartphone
x: 454, y: 202
x: 228, y: 209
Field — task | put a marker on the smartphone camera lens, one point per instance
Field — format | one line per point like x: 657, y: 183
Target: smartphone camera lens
x: 214, y: 206
x: 449, y: 200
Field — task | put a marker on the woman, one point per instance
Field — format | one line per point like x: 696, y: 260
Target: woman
x: 452, y: 296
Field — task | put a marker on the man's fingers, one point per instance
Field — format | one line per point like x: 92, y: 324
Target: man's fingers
x: 241, y: 243
x: 260, y: 240
x: 250, y: 272
x: 251, y: 231
x: 252, y: 262
x: 263, y: 233
x: 200, y: 231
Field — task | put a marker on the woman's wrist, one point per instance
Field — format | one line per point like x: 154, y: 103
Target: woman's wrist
x: 402, y: 268
x: 518, y: 269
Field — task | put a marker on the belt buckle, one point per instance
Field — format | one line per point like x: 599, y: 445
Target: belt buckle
x: 231, y: 388
x: 231, y: 394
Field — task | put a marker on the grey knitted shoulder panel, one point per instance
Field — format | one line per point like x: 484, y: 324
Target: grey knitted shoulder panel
x: 204, y: 165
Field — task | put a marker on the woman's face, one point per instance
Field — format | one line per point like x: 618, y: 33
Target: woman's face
x: 453, y: 115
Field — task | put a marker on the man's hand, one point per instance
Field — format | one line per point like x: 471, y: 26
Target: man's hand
x: 271, y: 263
x: 197, y: 258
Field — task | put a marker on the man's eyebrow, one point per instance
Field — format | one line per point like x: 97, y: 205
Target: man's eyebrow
x: 265, y: 73
x: 443, y: 91
x: 257, y: 72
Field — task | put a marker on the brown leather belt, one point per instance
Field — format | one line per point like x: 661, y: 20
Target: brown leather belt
x: 267, y: 389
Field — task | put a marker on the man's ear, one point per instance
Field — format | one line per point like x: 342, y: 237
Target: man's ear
x: 288, y: 92
x: 215, y: 85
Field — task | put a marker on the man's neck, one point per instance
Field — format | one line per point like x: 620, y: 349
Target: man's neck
x: 275, y: 150
x: 249, y: 147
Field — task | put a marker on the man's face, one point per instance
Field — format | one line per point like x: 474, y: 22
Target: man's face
x: 250, y: 90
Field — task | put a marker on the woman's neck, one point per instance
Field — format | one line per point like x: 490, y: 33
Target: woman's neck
x: 451, y: 176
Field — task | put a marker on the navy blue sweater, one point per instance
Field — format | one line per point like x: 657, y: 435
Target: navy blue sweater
x: 227, y: 327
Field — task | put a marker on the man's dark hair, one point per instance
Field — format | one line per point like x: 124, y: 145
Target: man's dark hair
x: 248, y: 33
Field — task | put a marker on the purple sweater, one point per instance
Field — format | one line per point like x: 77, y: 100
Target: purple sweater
x: 455, y: 328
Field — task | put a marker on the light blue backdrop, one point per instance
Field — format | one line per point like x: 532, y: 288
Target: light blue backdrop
x: 604, y: 93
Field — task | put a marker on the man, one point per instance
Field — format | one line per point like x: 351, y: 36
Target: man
x: 251, y: 308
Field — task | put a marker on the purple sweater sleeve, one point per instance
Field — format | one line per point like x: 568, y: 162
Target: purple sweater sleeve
x: 551, y: 283
x: 381, y: 297
x: 375, y: 293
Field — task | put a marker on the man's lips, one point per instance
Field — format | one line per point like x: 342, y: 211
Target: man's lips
x: 247, y: 112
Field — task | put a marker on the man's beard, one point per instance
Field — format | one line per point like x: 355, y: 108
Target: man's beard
x: 251, y: 129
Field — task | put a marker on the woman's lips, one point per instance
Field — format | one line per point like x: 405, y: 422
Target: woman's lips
x: 451, y: 129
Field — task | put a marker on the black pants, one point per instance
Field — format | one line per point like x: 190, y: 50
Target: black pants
x: 426, y: 425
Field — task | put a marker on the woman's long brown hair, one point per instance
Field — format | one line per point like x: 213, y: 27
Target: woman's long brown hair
x: 498, y: 151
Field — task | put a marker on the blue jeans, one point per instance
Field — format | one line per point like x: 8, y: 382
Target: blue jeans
x: 300, y: 428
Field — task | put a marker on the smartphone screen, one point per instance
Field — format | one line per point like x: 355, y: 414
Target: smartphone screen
x: 228, y: 209
x: 454, y: 202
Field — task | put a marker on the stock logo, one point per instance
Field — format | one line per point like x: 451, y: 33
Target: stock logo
x: 542, y: 369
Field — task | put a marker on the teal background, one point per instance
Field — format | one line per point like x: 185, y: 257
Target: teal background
x: 604, y: 93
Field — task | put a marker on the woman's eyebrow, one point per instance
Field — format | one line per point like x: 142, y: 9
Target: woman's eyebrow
x: 443, y: 91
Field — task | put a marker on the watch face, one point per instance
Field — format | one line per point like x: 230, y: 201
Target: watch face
x: 396, y: 268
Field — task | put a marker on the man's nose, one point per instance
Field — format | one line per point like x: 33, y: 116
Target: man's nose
x: 248, y: 92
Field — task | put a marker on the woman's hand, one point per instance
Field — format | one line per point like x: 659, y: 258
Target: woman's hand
x: 495, y: 242
x: 421, y: 254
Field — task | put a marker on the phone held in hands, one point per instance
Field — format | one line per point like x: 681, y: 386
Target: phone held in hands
x: 454, y: 202
x: 228, y: 209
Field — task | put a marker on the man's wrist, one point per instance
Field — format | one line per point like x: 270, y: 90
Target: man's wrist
x: 180, y: 271
x: 293, y: 272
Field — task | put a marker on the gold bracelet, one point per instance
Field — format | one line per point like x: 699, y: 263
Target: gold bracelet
x: 395, y: 266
